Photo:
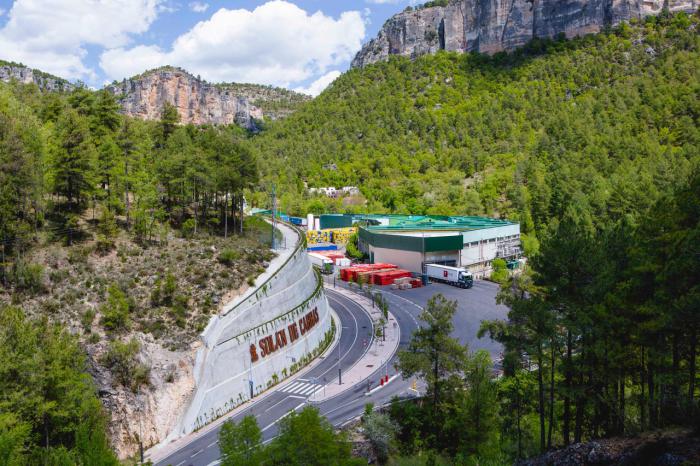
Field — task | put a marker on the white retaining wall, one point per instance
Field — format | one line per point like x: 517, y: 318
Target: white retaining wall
x: 224, y: 366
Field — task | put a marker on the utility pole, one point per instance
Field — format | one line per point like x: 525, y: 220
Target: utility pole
x: 274, y: 215
x: 138, y: 407
x: 340, y: 379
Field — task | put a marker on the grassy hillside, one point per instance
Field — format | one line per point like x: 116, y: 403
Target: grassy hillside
x: 610, y: 120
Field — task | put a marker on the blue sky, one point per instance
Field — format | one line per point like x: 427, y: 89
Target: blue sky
x: 298, y: 44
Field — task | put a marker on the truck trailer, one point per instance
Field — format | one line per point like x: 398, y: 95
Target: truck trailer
x: 324, y: 264
x: 454, y: 276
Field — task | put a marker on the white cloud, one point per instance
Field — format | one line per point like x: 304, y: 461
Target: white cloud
x: 2, y: 12
x: 51, y: 34
x: 276, y: 43
x: 199, y: 7
x: 316, y: 87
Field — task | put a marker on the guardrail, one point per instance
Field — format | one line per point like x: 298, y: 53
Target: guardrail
x: 300, y: 244
x: 314, y: 294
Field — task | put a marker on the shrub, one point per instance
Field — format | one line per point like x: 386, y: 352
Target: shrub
x: 381, y: 433
x: 108, y: 225
x: 115, y: 312
x: 104, y: 244
x: 500, y: 271
x: 121, y: 358
x: 29, y: 277
x: 164, y: 291
x: 86, y: 319
x: 228, y: 256
x: 188, y: 227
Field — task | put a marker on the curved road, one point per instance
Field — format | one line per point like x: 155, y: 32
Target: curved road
x: 357, y: 328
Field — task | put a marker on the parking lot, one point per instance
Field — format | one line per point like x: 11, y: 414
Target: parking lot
x: 473, y: 306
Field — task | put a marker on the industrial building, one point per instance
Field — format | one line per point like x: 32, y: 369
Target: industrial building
x: 411, y: 241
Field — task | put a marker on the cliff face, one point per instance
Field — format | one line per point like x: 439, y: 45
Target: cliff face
x: 20, y: 73
x: 491, y: 26
x: 198, y: 101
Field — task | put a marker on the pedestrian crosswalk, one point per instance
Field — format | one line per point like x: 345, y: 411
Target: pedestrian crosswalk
x: 302, y: 388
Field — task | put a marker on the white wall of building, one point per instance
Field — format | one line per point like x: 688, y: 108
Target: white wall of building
x: 481, y: 247
x: 409, y: 260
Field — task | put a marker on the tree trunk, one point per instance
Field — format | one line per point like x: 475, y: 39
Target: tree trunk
x: 673, y: 405
x: 226, y: 216
x: 551, y: 394
x: 691, y: 367
x: 567, y: 396
x: 436, y: 368
x: 621, y: 409
x: 241, y: 221
x: 126, y: 191
x: 518, y: 415
x: 642, y: 399
x: 540, y: 389
x: 650, y: 386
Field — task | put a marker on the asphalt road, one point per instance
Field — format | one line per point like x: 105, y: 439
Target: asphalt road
x: 357, y: 326
x: 474, y: 305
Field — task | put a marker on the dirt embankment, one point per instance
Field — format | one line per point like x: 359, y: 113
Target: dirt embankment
x: 138, y: 311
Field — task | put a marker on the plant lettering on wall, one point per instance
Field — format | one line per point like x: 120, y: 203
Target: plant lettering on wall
x: 271, y: 343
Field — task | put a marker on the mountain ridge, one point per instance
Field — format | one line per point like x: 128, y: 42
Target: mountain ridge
x: 197, y: 101
x: 491, y: 26
x: 21, y: 73
x: 201, y: 102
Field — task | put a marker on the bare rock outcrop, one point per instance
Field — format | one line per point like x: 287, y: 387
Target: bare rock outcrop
x: 197, y: 101
x: 490, y: 26
x: 25, y: 75
x: 154, y: 410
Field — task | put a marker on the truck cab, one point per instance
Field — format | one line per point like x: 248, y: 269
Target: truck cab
x: 466, y: 279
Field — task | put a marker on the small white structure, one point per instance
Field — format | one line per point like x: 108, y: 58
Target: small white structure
x: 330, y: 191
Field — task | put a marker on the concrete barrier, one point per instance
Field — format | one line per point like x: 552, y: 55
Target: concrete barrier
x: 261, y: 338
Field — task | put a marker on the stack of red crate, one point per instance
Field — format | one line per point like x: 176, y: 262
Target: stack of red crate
x: 388, y: 277
x: 351, y: 273
x: 416, y: 283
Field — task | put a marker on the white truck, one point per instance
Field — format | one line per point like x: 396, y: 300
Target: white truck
x: 324, y: 264
x: 455, y: 276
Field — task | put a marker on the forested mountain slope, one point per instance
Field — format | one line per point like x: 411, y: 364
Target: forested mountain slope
x: 118, y: 240
x: 610, y: 120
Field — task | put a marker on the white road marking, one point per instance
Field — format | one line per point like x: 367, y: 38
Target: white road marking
x: 196, y: 453
x: 180, y: 463
x: 282, y: 417
x: 214, y: 463
x: 212, y: 444
x: 299, y: 388
x: 292, y: 387
x: 280, y: 401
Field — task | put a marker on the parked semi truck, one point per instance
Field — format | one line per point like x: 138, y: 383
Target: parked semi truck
x: 455, y: 276
x: 324, y: 264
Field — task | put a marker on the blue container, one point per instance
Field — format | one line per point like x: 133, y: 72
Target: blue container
x: 323, y: 247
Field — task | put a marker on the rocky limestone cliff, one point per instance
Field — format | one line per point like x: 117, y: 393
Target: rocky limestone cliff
x: 22, y: 74
x: 491, y: 26
x: 198, y: 101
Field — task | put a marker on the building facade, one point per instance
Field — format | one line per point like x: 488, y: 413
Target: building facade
x: 410, y: 242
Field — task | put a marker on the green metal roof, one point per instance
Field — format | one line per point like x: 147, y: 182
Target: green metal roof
x: 433, y: 222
